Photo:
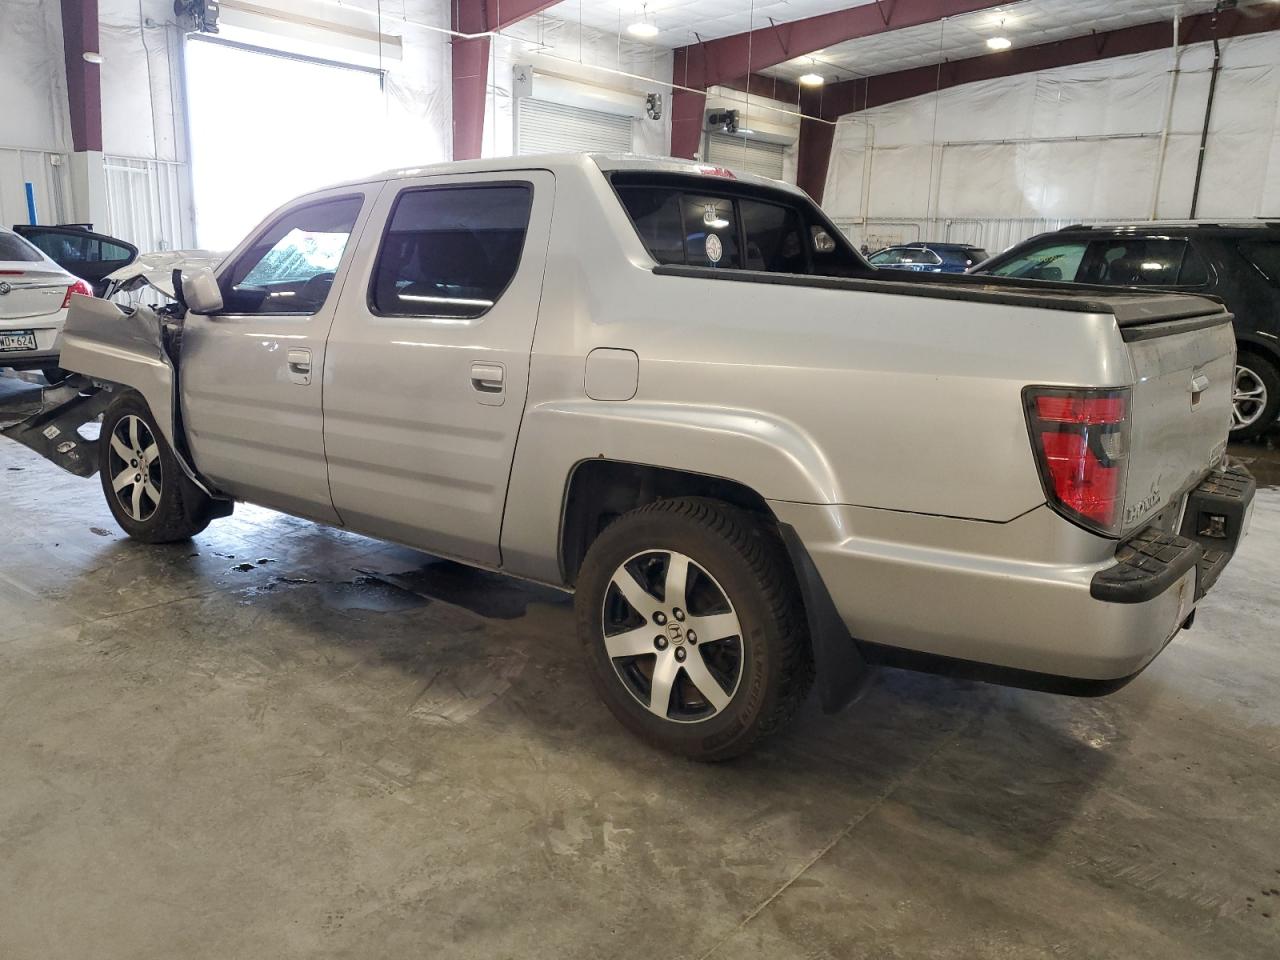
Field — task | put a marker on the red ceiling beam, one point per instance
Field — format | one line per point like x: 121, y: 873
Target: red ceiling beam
x: 729, y: 58
x: 84, y: 79
x: 471, y: 62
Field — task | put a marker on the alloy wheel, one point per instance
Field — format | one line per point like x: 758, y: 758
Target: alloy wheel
x: 673, y: 636
x: 134, y: 466
x: 1248, y: 398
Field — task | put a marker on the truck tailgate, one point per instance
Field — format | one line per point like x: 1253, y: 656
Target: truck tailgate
x: 1181, y: 406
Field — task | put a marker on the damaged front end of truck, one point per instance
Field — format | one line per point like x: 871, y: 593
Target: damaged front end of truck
x: 109, y: 348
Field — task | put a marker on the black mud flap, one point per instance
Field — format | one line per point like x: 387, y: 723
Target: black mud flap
x: 842, y: 675
x: 53, y: 432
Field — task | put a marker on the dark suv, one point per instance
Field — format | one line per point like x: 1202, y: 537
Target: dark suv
x: 1239, y: 262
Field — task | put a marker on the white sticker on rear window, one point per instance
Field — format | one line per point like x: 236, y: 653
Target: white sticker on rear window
x: 715, y: 249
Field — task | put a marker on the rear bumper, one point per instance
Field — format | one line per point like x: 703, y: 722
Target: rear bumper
x: 28, y: 360
x: 911, y: 587
x: 48, y: 333
x: 1215, y: 520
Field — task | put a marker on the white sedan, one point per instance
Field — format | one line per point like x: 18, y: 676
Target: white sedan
x: 34, y: 295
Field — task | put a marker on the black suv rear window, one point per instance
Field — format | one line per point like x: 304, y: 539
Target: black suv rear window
x: 689, y: 224
x: 1265, y: 256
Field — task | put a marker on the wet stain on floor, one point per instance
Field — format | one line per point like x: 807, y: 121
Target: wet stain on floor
x: 372, y: 594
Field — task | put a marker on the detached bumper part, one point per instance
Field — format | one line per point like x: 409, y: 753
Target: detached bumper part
x: 1152, y: 561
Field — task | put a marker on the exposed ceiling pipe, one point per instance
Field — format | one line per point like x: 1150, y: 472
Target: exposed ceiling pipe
x: 1176, y: 55
x: 1204, y: 134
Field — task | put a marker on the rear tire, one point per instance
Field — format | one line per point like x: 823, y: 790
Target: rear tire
x: 147, y: 491
x: 652, y: 581
x: 1255, y: 396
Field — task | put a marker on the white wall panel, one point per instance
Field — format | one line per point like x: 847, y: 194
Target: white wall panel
x: 1025, y: 171
x: 32, y: 80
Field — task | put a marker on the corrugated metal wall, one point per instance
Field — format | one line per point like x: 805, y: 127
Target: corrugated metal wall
x: 750, y: 156
x: 146, y: 203
x: 546, y: 127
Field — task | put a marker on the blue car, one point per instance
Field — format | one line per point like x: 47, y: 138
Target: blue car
x: 929, y: 257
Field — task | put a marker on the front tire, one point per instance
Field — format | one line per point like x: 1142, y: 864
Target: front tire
x: 147, y: 491
x: 691, y: 620
x: 1255, y: 397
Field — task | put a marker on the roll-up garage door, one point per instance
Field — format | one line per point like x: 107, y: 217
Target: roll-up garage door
x: 749, y: 156
x: 546, y: 127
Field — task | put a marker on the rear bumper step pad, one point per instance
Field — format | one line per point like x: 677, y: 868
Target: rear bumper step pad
x: 1152, y: 561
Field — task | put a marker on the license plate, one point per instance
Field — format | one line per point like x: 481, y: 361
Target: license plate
x: 17, y: 340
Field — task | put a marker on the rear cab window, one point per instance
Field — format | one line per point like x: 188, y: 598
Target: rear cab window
x: 684, y: 221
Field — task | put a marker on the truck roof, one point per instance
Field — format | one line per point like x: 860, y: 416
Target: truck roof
x: 607, y: 162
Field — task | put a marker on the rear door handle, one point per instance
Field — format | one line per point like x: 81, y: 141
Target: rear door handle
x: 488, y: 380
x: 300, y: 365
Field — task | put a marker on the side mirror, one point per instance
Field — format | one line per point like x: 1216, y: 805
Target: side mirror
x: 197, y: 289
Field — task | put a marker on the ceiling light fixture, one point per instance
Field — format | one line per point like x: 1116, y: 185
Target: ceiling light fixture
x: 642, y: 28
x: 999, y: 43
x: 811, y: 80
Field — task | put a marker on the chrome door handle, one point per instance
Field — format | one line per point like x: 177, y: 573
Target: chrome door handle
x: 1199, y: 384
x: 488, y: 380
x: 300, y: 365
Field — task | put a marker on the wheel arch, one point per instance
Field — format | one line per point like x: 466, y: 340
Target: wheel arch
x: 1268, y: 349
x: 600, y: 490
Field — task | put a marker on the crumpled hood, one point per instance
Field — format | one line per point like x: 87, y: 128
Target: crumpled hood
x: 156, y: 270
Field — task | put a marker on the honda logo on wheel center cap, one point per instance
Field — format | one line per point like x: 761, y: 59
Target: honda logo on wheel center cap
x: 675, y: 633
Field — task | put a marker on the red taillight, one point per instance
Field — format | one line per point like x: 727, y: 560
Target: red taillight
x: 1081, y: 440
x: 78, y: 287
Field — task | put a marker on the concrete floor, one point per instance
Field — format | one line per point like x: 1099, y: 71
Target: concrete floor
x: 281, y: 740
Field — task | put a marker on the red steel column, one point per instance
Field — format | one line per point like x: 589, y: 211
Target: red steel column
x: 84, y: 80
x: 470, y: 83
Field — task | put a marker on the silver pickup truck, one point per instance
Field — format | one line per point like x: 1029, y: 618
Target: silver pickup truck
x: 682, y: 394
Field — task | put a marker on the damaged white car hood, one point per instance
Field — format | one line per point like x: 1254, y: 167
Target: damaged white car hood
x: 156, y: 270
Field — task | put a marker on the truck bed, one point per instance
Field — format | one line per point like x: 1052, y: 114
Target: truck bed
x: 1131, y: 307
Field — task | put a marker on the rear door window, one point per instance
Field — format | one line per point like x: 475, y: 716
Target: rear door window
x: 1057, y: 260
x: 451, y: 251
x: 1143, y: 262
x: 1265, y: 257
